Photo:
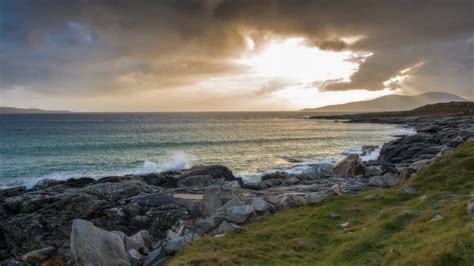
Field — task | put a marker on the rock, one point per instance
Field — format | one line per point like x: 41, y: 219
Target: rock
x: 409, y: 189
x: 226, y: 226
x: 205, y: 225
x: 337, y: 189
x: 345, y: 225
x: 144, y: 239
x: 351, y: 166
x: 295, y: 199
x: 214, y: 197
x: 39, y: 255
x: 334, y: 215
x: 171, y: 246
x: 91, y: 245
x: 196, y: 181
x: 367, y: 149
x: 418, y: 165
x: 215, y: 171
x: 239, y: 214
x: 387, y: 180
x: 275, y: 175
x: 156, y: 257
x: 470, y: 208
x: 259, y: 204
x: 317, y: 171
x: 437, y: 218
x: 134, y: 257
x: 45, y: 183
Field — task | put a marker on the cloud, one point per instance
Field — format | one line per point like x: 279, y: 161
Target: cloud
x: 91, y: 47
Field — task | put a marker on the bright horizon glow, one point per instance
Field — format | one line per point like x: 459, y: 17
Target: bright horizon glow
x: 292, y: 59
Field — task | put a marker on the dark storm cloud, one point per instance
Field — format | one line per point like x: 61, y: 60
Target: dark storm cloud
x: 85, y: 46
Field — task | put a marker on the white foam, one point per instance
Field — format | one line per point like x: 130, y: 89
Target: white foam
x: 180, y: 161
x: 371, y: 156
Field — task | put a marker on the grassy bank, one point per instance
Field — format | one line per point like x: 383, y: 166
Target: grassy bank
x: 386, y: 226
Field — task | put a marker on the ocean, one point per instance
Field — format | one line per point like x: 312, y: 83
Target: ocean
x: 60, y: 146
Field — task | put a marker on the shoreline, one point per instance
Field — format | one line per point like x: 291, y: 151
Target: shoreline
x: 293, y: 166
x: 171, y: 209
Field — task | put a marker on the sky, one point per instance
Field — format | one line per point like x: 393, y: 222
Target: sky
x: 236, y: 55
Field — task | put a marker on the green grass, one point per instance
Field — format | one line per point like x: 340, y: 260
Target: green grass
x: 391, y: 228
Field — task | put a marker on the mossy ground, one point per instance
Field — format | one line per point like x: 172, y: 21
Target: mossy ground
x: 386, y: 226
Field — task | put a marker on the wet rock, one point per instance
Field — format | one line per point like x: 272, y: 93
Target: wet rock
x: 367, y: 149
x: 215, y: 171
x: 317, y: 171
x: 275, y: 175
x: 39, y: 255
x: 387, y: 180
x: 91, y: 245
x: 197, y: 181
x: 351, y: 166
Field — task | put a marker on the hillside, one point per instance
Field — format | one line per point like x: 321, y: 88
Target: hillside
x: 390, y: 103
x: 28, y: 110
x: 430, y: 110
x: 385, y: 226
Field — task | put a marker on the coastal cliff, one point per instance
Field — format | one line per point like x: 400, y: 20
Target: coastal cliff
x: 146, y: 219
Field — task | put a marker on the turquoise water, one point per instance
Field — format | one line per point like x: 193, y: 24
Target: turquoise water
x: 37, y: 146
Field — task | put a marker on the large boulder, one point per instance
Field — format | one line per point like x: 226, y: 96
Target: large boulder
x: 91, y: 245
x: 351, y: 166
x: 215, y: 171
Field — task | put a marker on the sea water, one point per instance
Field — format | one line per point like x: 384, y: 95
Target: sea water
x: 60, y: 146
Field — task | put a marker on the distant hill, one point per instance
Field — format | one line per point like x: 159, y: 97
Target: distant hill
x: 391, y: 103
x: 11, y: 110
x: 430, y: 110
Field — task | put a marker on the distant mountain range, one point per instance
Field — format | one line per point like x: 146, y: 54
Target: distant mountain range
x: 391, y: 103
x: 12, y: 110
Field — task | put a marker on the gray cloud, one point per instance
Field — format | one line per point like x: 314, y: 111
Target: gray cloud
x: 84, y: 47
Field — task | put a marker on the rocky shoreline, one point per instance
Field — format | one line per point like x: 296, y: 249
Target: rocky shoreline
x: 145, y: 219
